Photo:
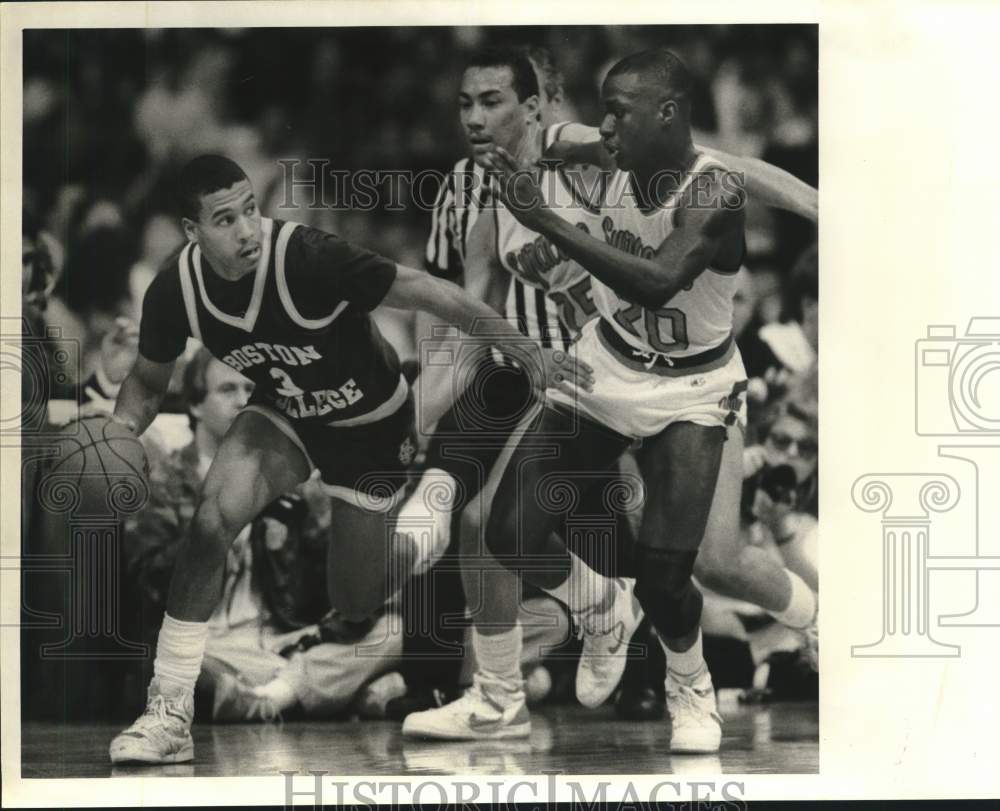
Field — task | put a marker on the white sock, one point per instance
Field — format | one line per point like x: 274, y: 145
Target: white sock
x: 179, y: 651
x: 801, y: 609
x: 688, y: 666
x: 426, y: 517
x: 281, y: 693
x: 499, y: 655
x: 583, y: 588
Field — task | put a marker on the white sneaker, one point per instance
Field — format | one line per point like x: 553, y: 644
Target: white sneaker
x: 488, y: 710
x: 606, y: 633
x: 696, y: 723
x: 162, y: 734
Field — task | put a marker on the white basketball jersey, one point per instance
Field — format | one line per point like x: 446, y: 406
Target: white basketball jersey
x: 699, y: 317
x: 536, y: 262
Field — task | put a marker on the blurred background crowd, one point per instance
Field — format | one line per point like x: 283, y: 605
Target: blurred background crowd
x: 110, y: 114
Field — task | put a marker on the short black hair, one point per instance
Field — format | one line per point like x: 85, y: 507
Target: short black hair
x: 524, y: 80
x: 546, y: 70
x: 663, y: 68
x: 204, y: 175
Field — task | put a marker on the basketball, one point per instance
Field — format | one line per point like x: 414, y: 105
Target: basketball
x: 106, y: 464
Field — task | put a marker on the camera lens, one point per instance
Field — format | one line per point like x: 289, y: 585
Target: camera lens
x: 779, y: 483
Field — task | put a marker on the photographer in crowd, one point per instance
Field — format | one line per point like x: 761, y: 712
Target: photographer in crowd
x: 779, y: 519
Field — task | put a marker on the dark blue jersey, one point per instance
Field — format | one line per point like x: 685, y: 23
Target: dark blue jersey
x: 299, y: 327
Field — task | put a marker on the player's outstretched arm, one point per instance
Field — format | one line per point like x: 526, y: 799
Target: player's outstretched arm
x: 413, y: 290
x: 142, y: 394
x: 687, y: 252
x: 439, y: 385
x: 770, y: 185
x: 579, y: 144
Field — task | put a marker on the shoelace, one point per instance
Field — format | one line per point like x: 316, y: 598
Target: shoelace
x: 689, y: 698
x: 157, y: 714
x: 156, y: 710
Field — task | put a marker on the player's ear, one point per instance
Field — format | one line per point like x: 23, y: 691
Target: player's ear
x: 532, y: 108
x: 668, y: 111
x: 190, y: 229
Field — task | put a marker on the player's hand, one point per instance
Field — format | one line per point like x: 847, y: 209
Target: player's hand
x: 518, y: 186
x: 772, y: 514
x: 564, y: 371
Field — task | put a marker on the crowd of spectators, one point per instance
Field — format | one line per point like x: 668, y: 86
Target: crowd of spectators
x: 108, y: 115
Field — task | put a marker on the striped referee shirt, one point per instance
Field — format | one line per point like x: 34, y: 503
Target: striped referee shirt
x: 462, y: 198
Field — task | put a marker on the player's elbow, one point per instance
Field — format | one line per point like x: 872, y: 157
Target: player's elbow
x: 655, y: 294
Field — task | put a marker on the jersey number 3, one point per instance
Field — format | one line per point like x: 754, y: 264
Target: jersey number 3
x: 286, y: 387
x: 666, y: 328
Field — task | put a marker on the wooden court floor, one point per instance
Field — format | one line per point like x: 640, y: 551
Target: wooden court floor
x: 781, y: 738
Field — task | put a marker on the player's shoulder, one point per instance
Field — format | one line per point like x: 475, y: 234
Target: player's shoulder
x: 166, y: 284
x: 571, y: 132
x: 305, y: 246
x: 306, y: 241
x: 714, y: 187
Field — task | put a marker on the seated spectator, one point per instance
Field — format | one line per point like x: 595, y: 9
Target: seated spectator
x: 780, y: 491
x: 779, y: 511
x: 267, y: 652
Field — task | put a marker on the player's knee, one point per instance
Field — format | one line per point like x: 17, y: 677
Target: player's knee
x: 663, y: 571
x: 666, y: 591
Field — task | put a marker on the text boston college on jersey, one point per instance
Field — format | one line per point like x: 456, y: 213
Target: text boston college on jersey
x: 292, y: 399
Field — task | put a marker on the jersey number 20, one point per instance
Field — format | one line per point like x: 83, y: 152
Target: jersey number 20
x: 666, y: 328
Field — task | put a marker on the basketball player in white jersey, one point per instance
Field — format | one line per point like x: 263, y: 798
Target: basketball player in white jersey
x: 666, y: 367
x: 494, y: 707
x: 548, y: 299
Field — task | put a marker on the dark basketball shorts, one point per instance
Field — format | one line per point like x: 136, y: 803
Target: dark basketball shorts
x: 365, y: 465
x: 470, y: 437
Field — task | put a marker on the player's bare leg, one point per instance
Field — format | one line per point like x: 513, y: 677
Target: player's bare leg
x: 525, y: 517
x: 680, y: 468
x: 734, y: 568
x: 495, y: 705
x: 255, y: 464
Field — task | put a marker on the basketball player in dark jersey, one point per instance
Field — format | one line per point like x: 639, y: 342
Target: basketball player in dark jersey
x: 288, y: 307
